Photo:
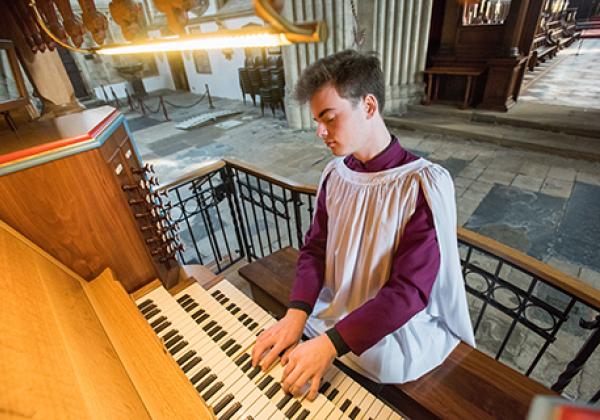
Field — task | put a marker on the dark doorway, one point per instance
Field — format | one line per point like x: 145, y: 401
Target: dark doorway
x: 178, y: 70
x: 73, y: 73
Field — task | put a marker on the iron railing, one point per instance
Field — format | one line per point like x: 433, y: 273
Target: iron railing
x: 526, y: 314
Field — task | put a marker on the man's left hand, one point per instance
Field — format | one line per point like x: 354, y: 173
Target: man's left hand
x: 308, y: 361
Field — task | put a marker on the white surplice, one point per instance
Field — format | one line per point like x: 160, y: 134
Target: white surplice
x: 367, y: 214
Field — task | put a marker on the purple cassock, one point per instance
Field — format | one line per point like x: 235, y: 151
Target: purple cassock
x: 414, y: 267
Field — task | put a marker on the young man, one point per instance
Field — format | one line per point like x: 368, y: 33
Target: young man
x: 378, y: 279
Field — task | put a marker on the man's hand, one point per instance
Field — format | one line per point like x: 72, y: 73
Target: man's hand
x: 281, y: 336
x: 308, y: 361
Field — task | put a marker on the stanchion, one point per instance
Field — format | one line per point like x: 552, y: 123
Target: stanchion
x: 117, y: 103
x: 162, y: 104
x: 129, y: 101
x: 141, y: 104
x: 210, y: 103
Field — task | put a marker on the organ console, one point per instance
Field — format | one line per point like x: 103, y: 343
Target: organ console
x: 184, y: 354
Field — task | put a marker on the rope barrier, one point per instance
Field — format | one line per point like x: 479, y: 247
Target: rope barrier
x: 144, y: 107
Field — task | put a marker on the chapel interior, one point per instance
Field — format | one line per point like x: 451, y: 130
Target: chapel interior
x: 157, y: 180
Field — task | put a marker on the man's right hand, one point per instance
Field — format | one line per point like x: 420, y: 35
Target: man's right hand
x: 282, y: 336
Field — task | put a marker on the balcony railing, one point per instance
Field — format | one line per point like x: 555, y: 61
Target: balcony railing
x: 530, y: 316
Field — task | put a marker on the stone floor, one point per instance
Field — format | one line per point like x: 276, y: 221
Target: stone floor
x: 574, y: 81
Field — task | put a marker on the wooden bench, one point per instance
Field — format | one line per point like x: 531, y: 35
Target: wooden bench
x: 433, y: 74
x: 542, y: 48
x: 469, y: 384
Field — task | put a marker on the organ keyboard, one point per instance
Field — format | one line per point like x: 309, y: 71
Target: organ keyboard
x: 210, y: 335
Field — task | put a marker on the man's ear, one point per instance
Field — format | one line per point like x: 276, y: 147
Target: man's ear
x: 371, y: 105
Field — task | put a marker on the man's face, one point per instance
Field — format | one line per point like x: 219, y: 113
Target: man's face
x: 340, y: 123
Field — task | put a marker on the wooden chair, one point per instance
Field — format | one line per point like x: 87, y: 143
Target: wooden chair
x: 246, y: 85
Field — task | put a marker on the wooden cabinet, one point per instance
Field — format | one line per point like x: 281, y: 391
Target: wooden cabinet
x: 66, y: 195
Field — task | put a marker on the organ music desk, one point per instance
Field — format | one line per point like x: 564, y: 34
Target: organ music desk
x: 468, y: 385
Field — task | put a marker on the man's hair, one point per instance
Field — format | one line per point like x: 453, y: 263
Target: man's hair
x: 353, y: 74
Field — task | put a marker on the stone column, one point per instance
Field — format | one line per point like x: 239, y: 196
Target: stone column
x: 397, y: 30
x: 297, y: 57
x: 400, y: 34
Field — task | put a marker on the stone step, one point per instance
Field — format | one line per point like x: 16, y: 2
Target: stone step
x: 562, y: 144
x: 556, y: 118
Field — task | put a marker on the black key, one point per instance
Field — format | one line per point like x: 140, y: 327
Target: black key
x: 293, y: 409
x: 324, y: 387
x: 304, y: 414
x: 144, y: 304
x: 148, y: 308
x: 259, y: 332
x: 200, y: 374
x: 210, y: 325
x: 227, y: 344
x: 198, y: 313
x: 231, y: 411
x: 220, y: 298
x: 191, y: 364
x: 224, y: 301
x: 206, y: 382
x: 247, y: 366
x: 354, y: 413
x: 253, y: 326
x: 173, y: 341
x: 221, y: 404
x: 242, y: 317
x: 216, y: 293
x: 254, y: 372
x: 170, y: 334
x: 186, y: 303
x: 186, y: 357
x: 162, y: 327
x: 152, y: 313
x: 158, y: 321
x: 235, y: 310
x: 201, y: 318
x: 183, y: 298
x: 286, y: 399
x: 247, y: 321
x: 240, y: 361
x: 230, y: 307
x: 178, y: 347
x: 211, y: 392
x: 220, y: 335
x: 263, y: 384
x: 214, y: 330
x: 233, y: 350
x: 273, y: 390
x: 345, y: 405
x: 191, y: 307
x: 333, y: 394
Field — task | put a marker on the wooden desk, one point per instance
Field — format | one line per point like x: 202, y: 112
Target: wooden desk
x: 469, y: 384
x: 468, y: 72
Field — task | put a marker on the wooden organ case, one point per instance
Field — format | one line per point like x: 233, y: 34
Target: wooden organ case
x: 76, y: 187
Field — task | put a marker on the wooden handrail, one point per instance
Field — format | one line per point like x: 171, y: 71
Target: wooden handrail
x: 203, y: 169
x: 271, y: 177
x: 569, y: 284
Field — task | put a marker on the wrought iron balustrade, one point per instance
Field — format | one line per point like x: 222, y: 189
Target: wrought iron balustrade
x: 526, y: 314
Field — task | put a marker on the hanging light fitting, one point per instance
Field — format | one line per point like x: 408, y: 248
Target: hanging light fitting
x: 278, y: 32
